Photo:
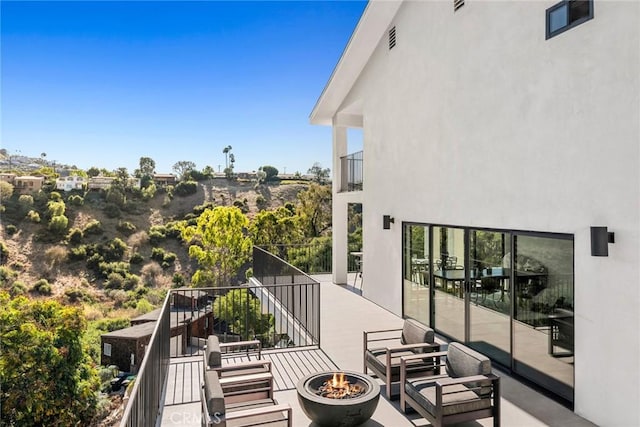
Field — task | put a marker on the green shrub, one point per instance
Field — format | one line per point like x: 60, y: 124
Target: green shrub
x: 178, y: 280
x: 76, y: 200
x: 126, y: 228
x: 17, y: 288
x: 34, y: 216
x: 143, y: 306
x: 55, y: 196
x: 157, y: 234
x: 56, y: 208
x: 157, y: 254
x: 75, y: 235
x: 11, y: 229
x: 114, y: 281
x: 58, y: 224
x: 131, y: 281
x: 78, y: 253
x: 4, y: 253
x: 106, y: 268
x: 112, y: 250
x: 93, y: 227
x: 6, y: 275
x: 77, y: 294
x: 43, y: 287
x: 136, y: 258
x: 186, y: 188
x: 261, y: 202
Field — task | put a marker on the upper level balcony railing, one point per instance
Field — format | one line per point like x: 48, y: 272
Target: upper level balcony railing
x: 280, y: 307
x: 351, y: 172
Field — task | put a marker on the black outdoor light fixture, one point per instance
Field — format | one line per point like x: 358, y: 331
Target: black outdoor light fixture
x: 600, y: 239
x: 387, y: 220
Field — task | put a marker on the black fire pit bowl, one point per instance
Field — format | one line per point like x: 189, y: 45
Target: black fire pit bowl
x: 327, y: 412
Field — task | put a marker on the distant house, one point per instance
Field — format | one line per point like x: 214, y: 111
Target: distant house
x: 164, y: 179
x: 70, y: 183
x: 126, y: 347
x: 100, y: 182
x: 8, y: 177
x: 28, y: 184
x: 134, y: 183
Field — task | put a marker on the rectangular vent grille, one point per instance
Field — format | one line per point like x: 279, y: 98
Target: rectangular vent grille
x: 457, y: 4
x: 392, y: 38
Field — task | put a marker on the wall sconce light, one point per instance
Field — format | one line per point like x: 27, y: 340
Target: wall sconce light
x: 387, y: 220
x: 600, y: 239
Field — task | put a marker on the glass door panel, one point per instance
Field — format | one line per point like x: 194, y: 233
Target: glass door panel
x: 448, y: 281
x: 417, y: 291
x: 543, y: 312
x: 489, y: 294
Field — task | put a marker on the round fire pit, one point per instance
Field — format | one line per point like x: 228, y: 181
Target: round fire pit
x: 338, y: 399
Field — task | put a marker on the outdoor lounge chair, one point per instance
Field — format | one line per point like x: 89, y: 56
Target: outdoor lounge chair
x: 413, y: 338
x: 244, y: 400
x: 468, y: 390
x: 214, y: 352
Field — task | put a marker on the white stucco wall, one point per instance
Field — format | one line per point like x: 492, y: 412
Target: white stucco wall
x: 474, y: 119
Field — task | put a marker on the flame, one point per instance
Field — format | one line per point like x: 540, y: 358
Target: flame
x: 338, y: 387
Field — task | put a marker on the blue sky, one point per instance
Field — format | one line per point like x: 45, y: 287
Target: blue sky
x: 104, y: 83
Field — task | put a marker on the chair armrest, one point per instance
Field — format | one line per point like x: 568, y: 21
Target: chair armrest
x: 403, y: 347
x: 463, y: 380
x: 248, y: 345
x: 241, y: 366
x: 235, y: 415
x: 423, y: 355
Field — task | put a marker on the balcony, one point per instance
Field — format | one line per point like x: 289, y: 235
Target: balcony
x: 325, y: 333
x: 351, y: 172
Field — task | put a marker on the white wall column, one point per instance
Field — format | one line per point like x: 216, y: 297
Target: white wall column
x: 339, y: 227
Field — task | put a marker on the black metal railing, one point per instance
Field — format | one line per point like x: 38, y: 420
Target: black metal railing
x: 351, y: 172
x: 312, y: 258
x: 145, y: 399
x: 291, y: 291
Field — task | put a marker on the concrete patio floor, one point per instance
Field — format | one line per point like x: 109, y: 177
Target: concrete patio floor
x: 344, y: 316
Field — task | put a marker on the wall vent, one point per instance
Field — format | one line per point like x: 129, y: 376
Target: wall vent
x: 392, y: 38
x: 457, y: 4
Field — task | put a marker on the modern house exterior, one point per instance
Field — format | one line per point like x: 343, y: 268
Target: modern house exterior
x: 500, y: 183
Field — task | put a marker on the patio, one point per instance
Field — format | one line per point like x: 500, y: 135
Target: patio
x: 341, y: 347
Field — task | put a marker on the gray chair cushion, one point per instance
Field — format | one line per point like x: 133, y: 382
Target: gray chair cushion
x: 414, y: 332
x: 212, y: 355
x: 465, y: 362
x: 213, y: 393
x: 456, y: 398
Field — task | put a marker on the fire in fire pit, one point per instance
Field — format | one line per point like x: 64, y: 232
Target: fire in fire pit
x: 338, y: 399
x: 339, y: 388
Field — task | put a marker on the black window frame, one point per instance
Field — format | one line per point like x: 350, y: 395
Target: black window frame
x: 570, y: 24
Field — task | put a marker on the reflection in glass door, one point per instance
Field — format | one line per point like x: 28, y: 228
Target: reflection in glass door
x: 489, y: 294
x: 449, y: 278
x: 543, y: 312
x: 417, y: 289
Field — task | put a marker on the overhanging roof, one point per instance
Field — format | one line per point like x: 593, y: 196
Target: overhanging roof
x: 372, y: 26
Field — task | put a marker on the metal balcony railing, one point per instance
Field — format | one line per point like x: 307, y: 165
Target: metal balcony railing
x: 351, y: 172
x: 280, y: 307
x: 312, y: 258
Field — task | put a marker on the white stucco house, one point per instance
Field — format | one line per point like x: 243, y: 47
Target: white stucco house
x: 70, y: 183
x: 496, y: 135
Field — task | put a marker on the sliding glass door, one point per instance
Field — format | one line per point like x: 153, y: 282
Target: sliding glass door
x: 490, y: 294
x: 449, y: 281
x: 507, y: 294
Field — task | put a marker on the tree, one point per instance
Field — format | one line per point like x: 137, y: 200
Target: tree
x: 226, y: 152
x: 93, y: 171
x: 6, y: 191
x: 271, y: 173
x: 314, y: 209
x: 46, y: 375
x: 147, y: 167
x: 321, y: 176
x: 219, y: 244
x: 243, y: 315
x: 183, y: 167
x: 270, y: 228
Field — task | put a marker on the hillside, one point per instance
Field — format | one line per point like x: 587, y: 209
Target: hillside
x: 32, y: 259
